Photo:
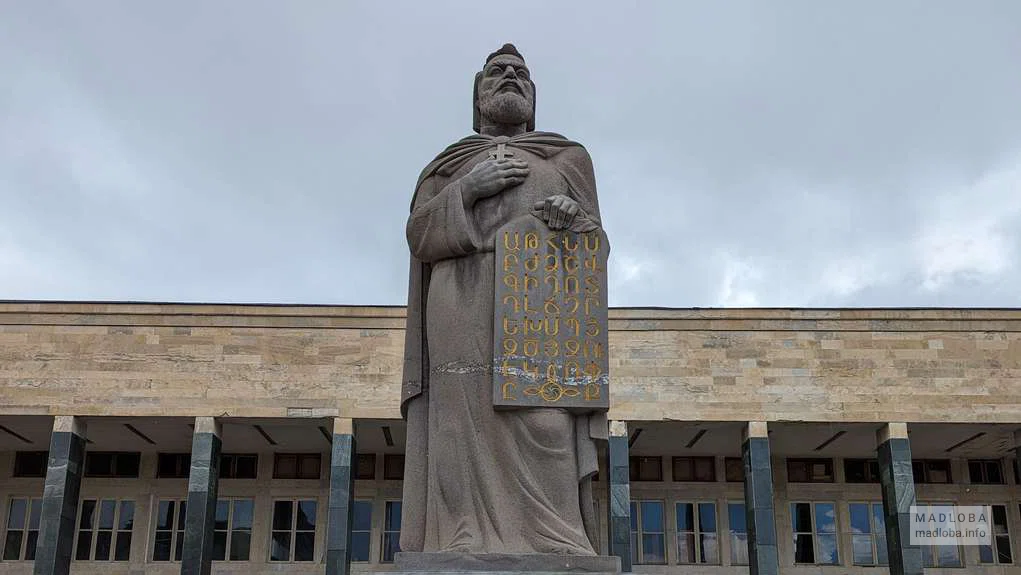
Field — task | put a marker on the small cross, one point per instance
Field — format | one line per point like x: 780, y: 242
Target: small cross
x: 501, y: 152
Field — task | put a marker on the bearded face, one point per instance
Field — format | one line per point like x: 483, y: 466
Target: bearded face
x: 506, y: 94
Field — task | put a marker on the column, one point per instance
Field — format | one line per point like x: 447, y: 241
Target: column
x: 898, y: 485
x: 341, y: 505
x: 60, y: 496
x: 618, y: 483
x: 763, y: 557
x: 203, y: 481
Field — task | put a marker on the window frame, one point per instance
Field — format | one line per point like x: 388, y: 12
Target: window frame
x: 738, y: 463
x: 229, y: 465
x: 994, y: 548
x: 293, y: 530
x: 368, y: 532
x: 25, y: 530
x: 931, y: 551
x: 638, y: 533
x: 231, y: 528
x: 983, y: 465
x: 388, y: 531
x: 870, y: 470
x: 359, y: 458
x: 299, y: 458
x: 693, y: 462
x: 175, y: 530
x: 922, y: 475
x: 697, y: 532
x: 19, y: 463
x: 114, y: 457
x: 94, y: 529
x: 393, y: 459
x: 815, y: 533
x: 182, y: 463
x: 635, y: 467
x: 731, y: 533
x: 876, y: 532
x: 809, y: 463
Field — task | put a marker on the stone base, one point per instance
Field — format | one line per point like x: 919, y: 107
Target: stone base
x: 492, y: 563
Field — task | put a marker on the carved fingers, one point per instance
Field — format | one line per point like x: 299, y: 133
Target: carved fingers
x: 492, y: 176
x: 558, y: 211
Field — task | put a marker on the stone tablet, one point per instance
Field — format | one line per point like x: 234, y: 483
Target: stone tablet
x: 550, y: 338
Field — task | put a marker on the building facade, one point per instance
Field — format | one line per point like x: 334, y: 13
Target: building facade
x: 289, y: 401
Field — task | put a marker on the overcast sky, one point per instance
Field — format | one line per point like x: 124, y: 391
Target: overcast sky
x: 783, y: 153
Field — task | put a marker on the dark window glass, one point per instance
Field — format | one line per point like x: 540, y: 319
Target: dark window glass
x: 734, y: 469
x: 393, y: 466
x: 999, y: 553
x: 239, y: 466
x: 361, y: 530
x: 810, y: 470
x: 297, y: 465
x: 391, y: 531
x: 648, y: 533
x: 694, y: 469
x: 738, y: 534
x: 104, y: 530
x: 365, y: 466
x: 30, y: 463
x: 985, y: 471
x: 22, y: 529
x: 861, y: 471
x: 646, y: 468
x: 173, y: 465
x: 293, y: 530
x: 931, y: 471
x: 112, y: 464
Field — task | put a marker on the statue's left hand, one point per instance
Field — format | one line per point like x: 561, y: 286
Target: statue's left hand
x: 558, y: 211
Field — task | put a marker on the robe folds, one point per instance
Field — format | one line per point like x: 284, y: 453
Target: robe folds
x: 477, y: 480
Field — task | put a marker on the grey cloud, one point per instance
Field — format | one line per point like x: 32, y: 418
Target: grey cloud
x: 796, y: 153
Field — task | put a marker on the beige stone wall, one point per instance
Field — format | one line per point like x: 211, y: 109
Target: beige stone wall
x: 950, y: 365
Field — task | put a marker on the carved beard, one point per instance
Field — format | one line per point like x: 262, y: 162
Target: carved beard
x: 506, y: 108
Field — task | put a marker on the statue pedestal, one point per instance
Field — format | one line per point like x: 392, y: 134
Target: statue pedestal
x: 493, y: 563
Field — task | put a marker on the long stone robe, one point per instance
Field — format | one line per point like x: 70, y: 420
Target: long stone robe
x: 478, y: 480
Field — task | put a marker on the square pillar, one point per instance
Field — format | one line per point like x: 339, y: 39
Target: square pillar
x: 203, y: 483
x: 763, y: 557
x: 60, y: 496
x: 618, y: 483
x: 898, y: 484
x: 341, y: 505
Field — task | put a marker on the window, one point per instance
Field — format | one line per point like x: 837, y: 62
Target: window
x: 999, y: 552
x: 939, y: 555
x: 30, y: 463
x: 104, y: 530
x: 861, y: 470
x: 694, y: 469
x: 696, y: 533
x: 365, y: 466
x: 239, y: 466
x: 868, y: 534
x: 810, y: 470
x: 815, y: 533
x: 738, y: 533
x: 232, y: 529
x: 169, y: 539
x: 931, y: 470
x: 294, y: 530
x: 646, y: 468
x: 296, y: 465
x: 393, y: 466
x: 648, y: 533
x: 111, y: 464
x: 734, y: 469
x: 391, y: 531
x: 361, y: 530
x: 22, y: 529
x: 985, y: 471
x: 173, y: 465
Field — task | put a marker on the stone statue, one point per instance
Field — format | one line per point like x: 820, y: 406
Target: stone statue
x: 479, y: 480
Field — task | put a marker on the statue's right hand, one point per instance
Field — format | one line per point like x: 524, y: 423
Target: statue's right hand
x: 490, y: 177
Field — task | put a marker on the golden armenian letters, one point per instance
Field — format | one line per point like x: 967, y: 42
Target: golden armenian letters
x: 549, y: 340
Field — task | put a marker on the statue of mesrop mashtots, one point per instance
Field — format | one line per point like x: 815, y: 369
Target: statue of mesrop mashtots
x: 479, y: 480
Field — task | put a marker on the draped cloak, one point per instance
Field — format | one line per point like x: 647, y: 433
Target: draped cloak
x: 479, y: 480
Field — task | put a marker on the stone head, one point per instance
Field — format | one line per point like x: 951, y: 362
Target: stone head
x: 504, y: 92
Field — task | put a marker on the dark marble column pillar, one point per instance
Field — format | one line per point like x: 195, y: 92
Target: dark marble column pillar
x: 898, y: 484
x: 618, y: 483
x: 203, y: 481
x: 341, y: 506
x: 60, y: 496
x: 763, y: 557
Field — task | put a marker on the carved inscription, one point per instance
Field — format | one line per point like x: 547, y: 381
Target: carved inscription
x: 550, y: 341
